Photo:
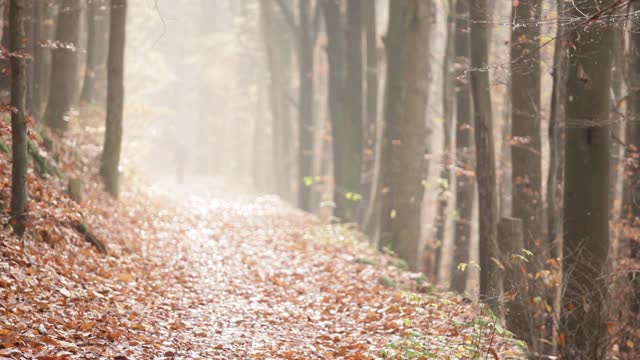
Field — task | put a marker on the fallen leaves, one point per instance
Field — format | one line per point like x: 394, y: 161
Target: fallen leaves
x: 202, y: 277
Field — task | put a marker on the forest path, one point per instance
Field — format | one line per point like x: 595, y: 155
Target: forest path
x: 249, y: 283
x: 191, y: 275
x: 252, y: 277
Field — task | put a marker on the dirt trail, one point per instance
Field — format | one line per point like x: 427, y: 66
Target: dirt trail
x: 207, y: 278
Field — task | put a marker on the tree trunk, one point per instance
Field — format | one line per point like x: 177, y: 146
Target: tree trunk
x: 448, y: 99
x: 485, y: 165
x: 554, y: 190
x: 95, y: 74
x: 630, y: 207
x: 115, y: 97
x: 44, y: 29
x: 5, y: 62
x: 465, y: 154
x: 18, y: 117
x: 29, y: 26
x: 511, y: 240
x: 526, y: 148
x: 586, y: 232
x: 64, y: 77
x: 342, y: 174
x: 372, y: 123
x: 275, y: 54
x: 355, y: 95
x: 556, y: 143
x: 405, y: 133
x: 305, y: 106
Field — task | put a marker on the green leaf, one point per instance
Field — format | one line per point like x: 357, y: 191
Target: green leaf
x: 353, y: 196
x: 308, y: 180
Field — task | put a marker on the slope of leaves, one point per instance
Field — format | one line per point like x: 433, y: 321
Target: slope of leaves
x: 195, y: 276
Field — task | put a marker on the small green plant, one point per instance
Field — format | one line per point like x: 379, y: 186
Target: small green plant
x: 401, y: 264
x: 355, y: 197
x: 411, y: 297
x: 3, y: 148
x: 421, y: 279
x: 364, y: 261
x: 385, y: 281
x: 310, y: 180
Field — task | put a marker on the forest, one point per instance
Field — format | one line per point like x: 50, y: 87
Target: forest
x: 320, y: 179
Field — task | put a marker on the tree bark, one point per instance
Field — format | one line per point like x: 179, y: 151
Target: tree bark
x: 485, y: 165
x: 5, y: 62
x: 44, y: 29
x: 464, y: 151
x: 355, y: 101
x: 115, y: 97
x: 29, y: 26
x: 18, y: 116
x: 556, y: 143
x: 526, y: 151
x: 305, y: 110
x: 511, y: 240
x: 336, y: 54
x: 372, y: 127
x: 95, y: 72
x: 444, y: 196
x: 630, y: 207
x: 405, y: 133
x: 64, y: 77
x: 275, y: 53
x: 586, y: 231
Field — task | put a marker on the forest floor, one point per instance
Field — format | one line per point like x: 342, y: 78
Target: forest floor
x: 193, y: 275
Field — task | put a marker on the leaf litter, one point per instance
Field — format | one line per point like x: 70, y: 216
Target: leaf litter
x: 197, y: 276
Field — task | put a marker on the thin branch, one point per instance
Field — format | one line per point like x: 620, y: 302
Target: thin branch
x: 598, y: 16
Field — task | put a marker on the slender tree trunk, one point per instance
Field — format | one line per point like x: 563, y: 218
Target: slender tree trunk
x: 277, y: 85
x: 405, y: 133
x: 95, y: 74
x: 448, y: 99
x: 18, y: 117
x: 465, y: 154
x: 44, y: 29
x: 115, y: 97
x: 371, y: 125
x: 485, y: 165
x: 64, y: 64
x: 305, y: 107
x: 345, y: 104
x: 630, y: 207
x: 29, y: 26
x: 5, y: 62
x: 526, y: 148
x: 355, y: 117
x: 617, y: 81
x: 505, y: 185
x: 343, y: 176
x: 556, y: 143
x: 555, y: 183
x: 586, y: 231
